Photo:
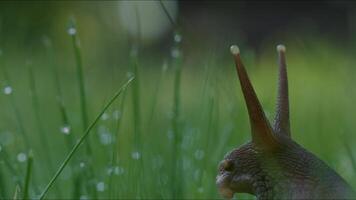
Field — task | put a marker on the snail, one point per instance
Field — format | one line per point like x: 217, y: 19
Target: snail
x: 272, y: 165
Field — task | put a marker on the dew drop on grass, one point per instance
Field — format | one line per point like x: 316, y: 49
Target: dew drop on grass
x: 170, y: 134
x: 81, y: 164
x: 119, y: 170
x: 21, y: 157
x: 175, y: 53
x: 164, y: 179
x: 72, y: 31
x: 46, y: 41
x: 200, y: 189
x: 165, y: 66
x: 105, y: 138
x: 65, y: 129
x: 136, y: 155
x: 100, y: 187
x: 157, y: 162
x: 187, y: 164
x: 129, y: 74
x: 105, y: 117
x: 116, y: 114
x: 7, y: 90
x: 199, y: 154
x: 134, y: 51
x: 109, y: 171
x: 197, y: 174
x: 177, y: 38
x: 66, y: 174
x: 83, y: 197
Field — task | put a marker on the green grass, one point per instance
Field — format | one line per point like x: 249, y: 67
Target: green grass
x: 169, y: 130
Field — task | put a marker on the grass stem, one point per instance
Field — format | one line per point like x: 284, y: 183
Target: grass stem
x: 28, y: 175
x: 84, y: 136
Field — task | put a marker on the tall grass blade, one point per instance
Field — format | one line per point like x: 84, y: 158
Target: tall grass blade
x: 20, y: 124
x: 90, y: 173
x: 58, y: 88
x: 115, y: 149
x: 28, y: 175
x: 16, y: 193
x: 65, y: 124
x: 177, y: 177
x: 84, y: 136
x: 35, y: 105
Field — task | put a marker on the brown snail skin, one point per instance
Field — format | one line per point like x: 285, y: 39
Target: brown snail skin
x: 272, y: 165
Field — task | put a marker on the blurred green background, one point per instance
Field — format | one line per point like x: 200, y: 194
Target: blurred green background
x: 166, y: 135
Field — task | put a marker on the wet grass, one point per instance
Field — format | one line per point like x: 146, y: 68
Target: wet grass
x: 168, y: 131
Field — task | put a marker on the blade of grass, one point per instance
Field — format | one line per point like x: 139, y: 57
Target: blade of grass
x: 90, y: 172
x: 35, y: 105
x: 59, y: 98
x: 65, y: 124
x: 3, y: 186
x: 177, y: 178
x: 177, y: 173
x: 20, y: 124
x: 28, y: 175
x: 5, y: 157
x: 16, y: 193
x: 115, y: 147
x: 42, y: 134
x: 137, y: 171
x: 84, y: 136
x: 170, y: 18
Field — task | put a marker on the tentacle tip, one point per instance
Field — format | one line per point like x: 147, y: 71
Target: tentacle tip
x: 235, y: 50
x: 281, y: 48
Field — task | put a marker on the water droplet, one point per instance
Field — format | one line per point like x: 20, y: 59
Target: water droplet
x: 66, y: 174
x: 200, y: 189
x: 199, y: 154
x: 105, y: 116
x: 129, y: 74
x: 119, y: 170
x: 109, y: 171
x: 7, y: 138
x: 177, y: 38
x: 28, y: 62
x: 100, y: 187
x: 136, y: 155
x: 170, y: 134
x: 197, y: 174
x: 164, y: 179
x: 81, y: 164
x: 157, y: 162
x: 46, y: 41
x: 187, y: 164
x: 0, y: 148
x: 21, y: 157
x: 102, y: 129
x: 7, y: 90
x: 116, y: 114
x: 83, y: 197
x: 134, y: 51
x: 72, y: 31
x: 65, y: 129
x: 105, y: 138
x: 175, y: 53
x: 165, y: 66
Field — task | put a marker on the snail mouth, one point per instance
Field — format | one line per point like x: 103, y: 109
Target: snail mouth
x: 222, y: 183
